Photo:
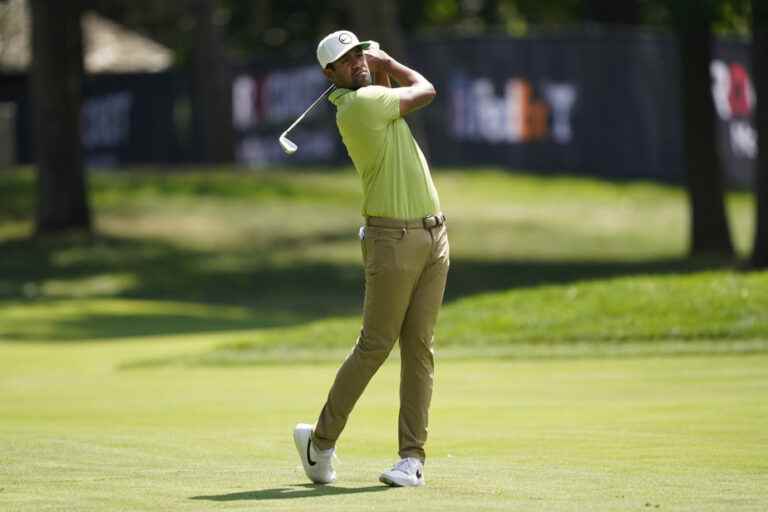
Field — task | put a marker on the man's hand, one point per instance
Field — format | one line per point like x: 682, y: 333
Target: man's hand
x: 415, y: 91
x: 378, y: 62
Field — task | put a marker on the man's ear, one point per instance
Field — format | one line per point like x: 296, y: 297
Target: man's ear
x: 328, y: 72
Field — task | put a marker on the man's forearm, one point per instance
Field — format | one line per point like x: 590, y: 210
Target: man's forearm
x: 381, y: 78
x: 402, y: 74
x: 415, y: 91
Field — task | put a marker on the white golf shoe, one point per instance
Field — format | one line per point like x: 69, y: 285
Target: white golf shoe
x: 318, y: 465
x: 409, y: 472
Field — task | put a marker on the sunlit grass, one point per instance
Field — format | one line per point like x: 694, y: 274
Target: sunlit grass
x: 582, y: 362
x: 535, y: 260
x: 79, y: 433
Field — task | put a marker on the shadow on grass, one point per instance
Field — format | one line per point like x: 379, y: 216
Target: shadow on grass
x: 292, y: 492
x: 247, y: 291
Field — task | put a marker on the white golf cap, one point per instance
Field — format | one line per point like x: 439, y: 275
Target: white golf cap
x: 335, y: 45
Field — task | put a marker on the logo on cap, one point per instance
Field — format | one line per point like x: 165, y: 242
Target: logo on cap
x: 345, y: 38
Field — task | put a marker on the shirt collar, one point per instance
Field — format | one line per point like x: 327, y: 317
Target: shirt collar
x: 336, y: 95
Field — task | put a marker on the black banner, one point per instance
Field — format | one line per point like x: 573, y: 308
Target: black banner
x: 735, y: 100
x: 584, y: 104
x: 129, y: 119
x: 603, y: 103
x: 126, y: 118
x: 267, y: 101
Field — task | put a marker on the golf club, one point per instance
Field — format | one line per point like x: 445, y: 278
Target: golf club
x: 289, y: 146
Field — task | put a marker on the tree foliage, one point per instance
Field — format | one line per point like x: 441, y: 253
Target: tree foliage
x: 253, y: 28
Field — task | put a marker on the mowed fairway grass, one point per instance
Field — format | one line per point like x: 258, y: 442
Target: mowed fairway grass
x: 583, y: 362
x: 678, y: 433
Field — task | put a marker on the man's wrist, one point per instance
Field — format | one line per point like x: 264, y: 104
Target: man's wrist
x: 387, y: 65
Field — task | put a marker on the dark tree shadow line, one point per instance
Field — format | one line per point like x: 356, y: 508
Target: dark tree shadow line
x: 274, y: 295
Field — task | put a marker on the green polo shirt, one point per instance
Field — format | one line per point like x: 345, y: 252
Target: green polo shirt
x: 396, y: 179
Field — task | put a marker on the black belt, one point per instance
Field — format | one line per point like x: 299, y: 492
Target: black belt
x: 428, y: 222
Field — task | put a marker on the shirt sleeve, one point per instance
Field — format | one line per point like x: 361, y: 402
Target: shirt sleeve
x: 377, y: 104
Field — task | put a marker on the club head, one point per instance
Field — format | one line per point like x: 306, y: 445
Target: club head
x: 288, y: 146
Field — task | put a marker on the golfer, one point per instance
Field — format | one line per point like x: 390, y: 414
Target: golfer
x: 405, y: 252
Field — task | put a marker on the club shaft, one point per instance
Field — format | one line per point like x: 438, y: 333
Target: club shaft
x: 297, y: 121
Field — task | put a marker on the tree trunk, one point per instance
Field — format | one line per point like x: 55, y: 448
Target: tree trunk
x: 710, y: 234
x: 213, y: 132
x: 760, y: 70
x: 56, y: 81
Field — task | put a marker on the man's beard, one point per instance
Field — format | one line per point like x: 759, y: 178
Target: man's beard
x: 361, y: 80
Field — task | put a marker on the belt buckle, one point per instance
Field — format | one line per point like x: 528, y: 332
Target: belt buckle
x: 433, y: 221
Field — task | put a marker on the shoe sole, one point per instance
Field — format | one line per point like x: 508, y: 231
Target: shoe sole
x: 388, y: 481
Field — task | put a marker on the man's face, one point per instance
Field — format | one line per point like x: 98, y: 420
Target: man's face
x: 350, y: 71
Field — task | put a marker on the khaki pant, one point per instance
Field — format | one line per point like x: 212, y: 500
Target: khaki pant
x: 406, y: 266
